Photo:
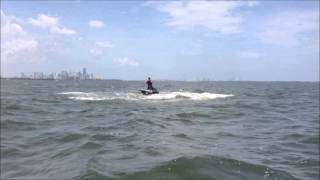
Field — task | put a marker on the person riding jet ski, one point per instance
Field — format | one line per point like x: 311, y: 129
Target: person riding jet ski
x: 149, y: 84
x: 151, y: 89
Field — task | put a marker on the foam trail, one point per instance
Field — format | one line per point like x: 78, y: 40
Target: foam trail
x: 74, y: 93
x: 102, y: 96
x: 187, y: 95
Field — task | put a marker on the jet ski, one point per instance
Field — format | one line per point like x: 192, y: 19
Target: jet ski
x: 149, y: 91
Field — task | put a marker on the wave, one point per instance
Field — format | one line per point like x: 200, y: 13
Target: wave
x: 203, y: 167
x: 103, y: 96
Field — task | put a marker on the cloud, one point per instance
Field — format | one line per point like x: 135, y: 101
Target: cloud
x: 101, y: 47
x: 96, y: 52
x: 44, y: 21
x: 65, y: 31
x: 16, y: 46
x: 250, y: 55
x: 290, y: 29
x: 16, y: 43
x: 19, y: 49
x: 216, y: 16
x: 5, y: 18
x: 10, y: 27
x: 252, y: 3
x: 96, y: 24
x: 105, y: 44
x: 51, y: 23
x: 126, y: 62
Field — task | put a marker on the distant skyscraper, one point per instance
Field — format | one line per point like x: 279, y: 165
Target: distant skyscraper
x: 84, y: 73
x: 79, y: 75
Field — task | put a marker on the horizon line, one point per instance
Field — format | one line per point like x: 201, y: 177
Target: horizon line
x: 206, y: 80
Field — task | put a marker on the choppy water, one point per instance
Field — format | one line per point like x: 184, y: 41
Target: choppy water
x: 191, y: 130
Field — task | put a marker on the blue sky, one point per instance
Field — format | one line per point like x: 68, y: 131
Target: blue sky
x: 189, y: 40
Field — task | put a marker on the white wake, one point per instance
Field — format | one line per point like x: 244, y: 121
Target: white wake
x: 102, y: 96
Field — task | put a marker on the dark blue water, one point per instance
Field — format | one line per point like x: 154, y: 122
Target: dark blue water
x: 191, y: 130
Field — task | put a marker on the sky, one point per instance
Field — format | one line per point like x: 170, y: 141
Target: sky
x: 173, y: 40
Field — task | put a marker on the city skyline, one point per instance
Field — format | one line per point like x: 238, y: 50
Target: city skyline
x: 175, y: 40
x: 62, y: 75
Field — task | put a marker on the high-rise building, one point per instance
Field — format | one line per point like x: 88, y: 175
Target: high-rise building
x: 84, y: 73
x: 79, y: 75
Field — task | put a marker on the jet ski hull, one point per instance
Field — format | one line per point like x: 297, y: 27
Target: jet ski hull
x: 148, y: 92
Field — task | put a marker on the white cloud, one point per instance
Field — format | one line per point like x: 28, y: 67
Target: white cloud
x: 96, y: 52
x: 19, y: 50
x: 105, y: 44
x: 10, y: 27
x: 289, y: 29
x: 15, y: 46
x: 101, y: 47
x: 126, y: 62
x: 3, y: 18
x: 6, y: 18
x: 250, y: 55
x: 216, y: 16
x: 51, y: 23
x: 96, y: 24
x: 64, y: 31
x: 44, y: 21
x: 16, y: 43
x: 252, y: 3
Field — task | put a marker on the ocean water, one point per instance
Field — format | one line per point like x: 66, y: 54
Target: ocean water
x: 105, y: 129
